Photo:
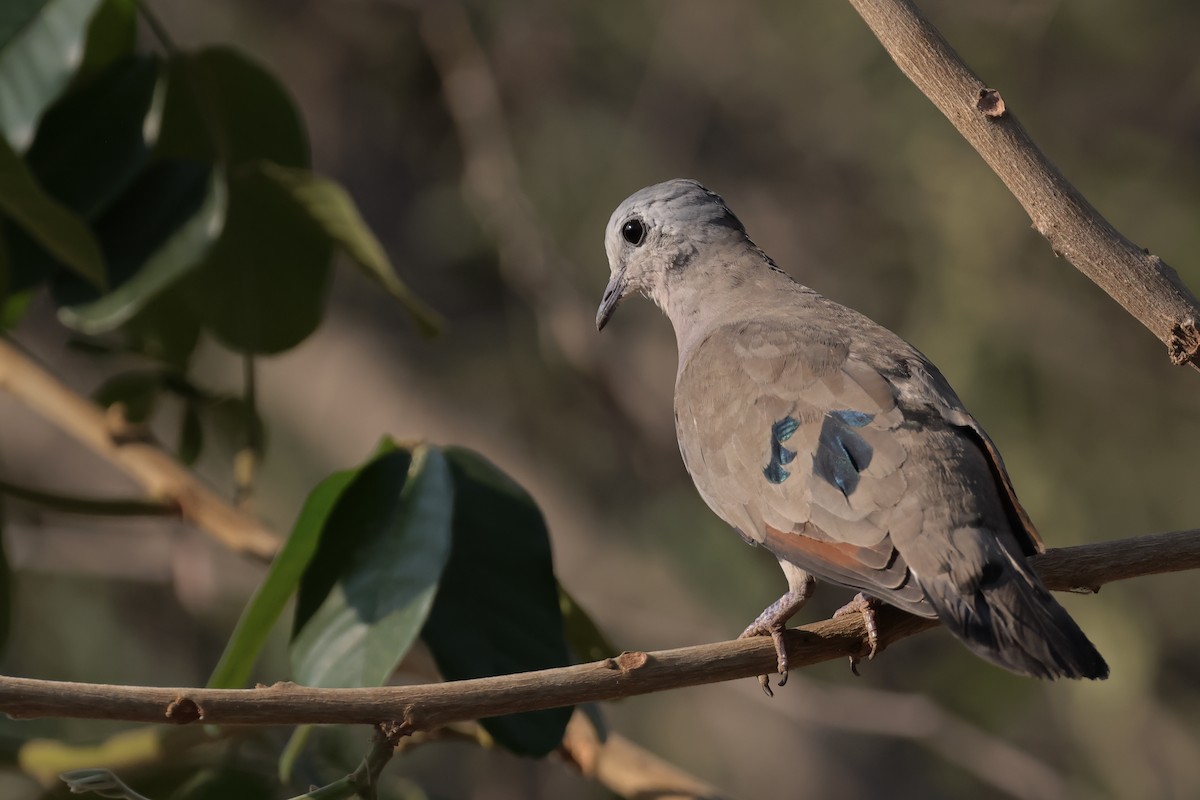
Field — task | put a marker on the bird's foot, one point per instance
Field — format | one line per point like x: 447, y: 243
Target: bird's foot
x: 775, y: 630
x: 867, y: 606
x: 773, y: 622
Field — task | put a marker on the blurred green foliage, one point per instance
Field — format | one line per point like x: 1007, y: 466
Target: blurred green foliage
x: 162, y: 197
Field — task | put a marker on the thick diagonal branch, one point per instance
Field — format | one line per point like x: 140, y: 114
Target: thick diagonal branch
x: 1141, y: 282
x: 158, y: 472
x: 430, y: 706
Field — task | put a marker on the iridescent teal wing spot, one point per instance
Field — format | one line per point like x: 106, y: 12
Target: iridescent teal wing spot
x: 842, y: 453
x: 781, y: 431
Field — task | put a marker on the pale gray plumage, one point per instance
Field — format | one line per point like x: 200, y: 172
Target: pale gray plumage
x: 833, y: 442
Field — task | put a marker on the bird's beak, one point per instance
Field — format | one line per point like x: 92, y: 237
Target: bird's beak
x: 612, y: 296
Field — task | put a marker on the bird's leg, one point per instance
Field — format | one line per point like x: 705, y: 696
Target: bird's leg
x: 773, y: 619
x: 867, y: 606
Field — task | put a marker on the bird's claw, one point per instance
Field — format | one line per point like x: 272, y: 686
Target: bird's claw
x: 781, y: 656
x: 866, y: 606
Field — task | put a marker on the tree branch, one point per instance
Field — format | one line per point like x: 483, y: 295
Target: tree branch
x: 427, y: 706
x: 627, y: 769
x: 1141, y: 282
x: 156, y: 470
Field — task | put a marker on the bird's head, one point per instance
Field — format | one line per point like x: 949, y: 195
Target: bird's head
x: 656, y: 234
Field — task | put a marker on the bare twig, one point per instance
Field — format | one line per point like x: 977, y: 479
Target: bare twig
x: 156, y: 470
x: 1141, y: 282
x: 428, y: 706
x: 363, y: 782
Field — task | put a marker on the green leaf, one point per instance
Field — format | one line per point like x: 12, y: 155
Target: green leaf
x: 94, y: 142
x: 262, y: 288
x: 584, y: 636
x: 264, y: 608
x: 52, y: 225
x: 235, y: 422
x: 165, y: 329
x: 497, y: 609
x: 41, y: 47
x: 331, y: 207
x: 156, y: 234
x: 111, y: 36
x: 222, y: 106
x: 14, y: 16
x: 370, y: 587
x: 28, y: 264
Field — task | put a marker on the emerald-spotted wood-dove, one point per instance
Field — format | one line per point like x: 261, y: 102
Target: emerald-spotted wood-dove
x: 834, y: 443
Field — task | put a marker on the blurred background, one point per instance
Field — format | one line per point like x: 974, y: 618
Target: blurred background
x: 487, y: 144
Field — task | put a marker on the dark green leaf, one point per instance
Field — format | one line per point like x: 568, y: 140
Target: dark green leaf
x: 137, y: 389
x: 234, y: 422
x: 14, y: 16
x: 369, y: 588
x: 497, y: 609
x: 167, y: 330
x: 41, y: 43
x: 264, y: 608
x: 52, y: 225
x: 93, y: 143
x: 111, y: 36
x: 28, y: 263
x: 157, y: 232
x: 584, y: 636
x: 262, y: 288
x: 222, y: 106
x: 331, y: 207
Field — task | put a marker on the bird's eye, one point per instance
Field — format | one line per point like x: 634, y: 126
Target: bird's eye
x: 633, y: 231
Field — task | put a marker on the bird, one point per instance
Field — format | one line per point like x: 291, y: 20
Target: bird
x: 835, y: 444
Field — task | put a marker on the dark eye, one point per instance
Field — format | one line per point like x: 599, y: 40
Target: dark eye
x: 633, y: 231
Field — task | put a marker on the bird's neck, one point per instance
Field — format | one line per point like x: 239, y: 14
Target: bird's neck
x: 696, y: 304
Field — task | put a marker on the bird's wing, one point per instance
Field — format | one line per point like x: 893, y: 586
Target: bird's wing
x: 920, y: 385
x: 854, y: 467
x: 799, y: 445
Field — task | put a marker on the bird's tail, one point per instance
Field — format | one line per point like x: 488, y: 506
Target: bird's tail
x: 1012, y: 620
